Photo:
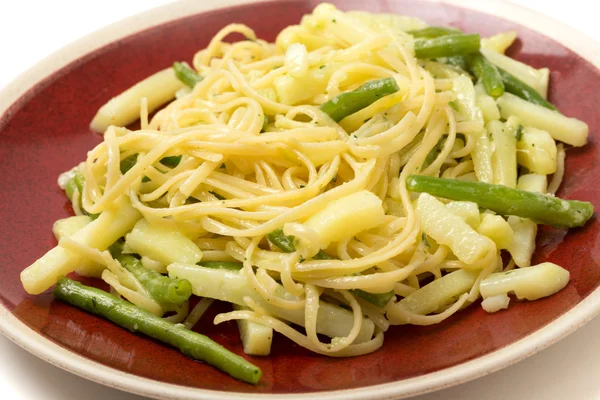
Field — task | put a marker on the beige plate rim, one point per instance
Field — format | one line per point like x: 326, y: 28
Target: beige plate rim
x: 36, y: 344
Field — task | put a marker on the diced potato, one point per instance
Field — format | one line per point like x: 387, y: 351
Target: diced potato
x: 499, y: 42
x: 533, y: 183
x: 112, y: 223
x: 467, y: 210
x: 67, y: 227
x: 256, y: 338
x: 496, y: 228
x: 466, y: 99
x: 292, y: 90
x: 495, y: 303
x: 449, y: 229
x: 296, y: 60
x: 504, y: 157
x: 482, y: 157
x: 347, y: 216
x: 488, y: 107
x: 295, y: 34
x: 125, y: 108
x: 162, y: 244
x: 531, y: 283
x: 537, y: 151
x: 523, y: 243
x: 569, y: 130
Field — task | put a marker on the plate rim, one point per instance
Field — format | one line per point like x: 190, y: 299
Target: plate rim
x: 38, y: 345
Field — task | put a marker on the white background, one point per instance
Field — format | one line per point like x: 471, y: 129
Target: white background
x: 32, y: 29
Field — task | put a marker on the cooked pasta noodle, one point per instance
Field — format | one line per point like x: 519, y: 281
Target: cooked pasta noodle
x: 249, y: 151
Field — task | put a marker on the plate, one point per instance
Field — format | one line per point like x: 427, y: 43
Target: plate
x: 44, y: 130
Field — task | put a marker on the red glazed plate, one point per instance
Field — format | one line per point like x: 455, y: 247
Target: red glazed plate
x: 44, y: 118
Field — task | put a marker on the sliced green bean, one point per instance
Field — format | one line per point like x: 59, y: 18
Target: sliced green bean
x: 161, y: 288
x: 230, y: 265
x: 519, y: 88
x: 434, y: 31
x: 171, y: 161
x: 447, y: 46
x: 348, y: 103
x: 126, y: 315
x: 76, y: 184
x: 457, y: 61
x: 541, y: 208
x: 486, y: 73
x: 284, y: 242
x: 128, y: 163
x: 186, y: 75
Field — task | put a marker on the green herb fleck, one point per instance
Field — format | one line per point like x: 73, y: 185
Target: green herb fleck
x: 424, y: 238
x: 519, y: 133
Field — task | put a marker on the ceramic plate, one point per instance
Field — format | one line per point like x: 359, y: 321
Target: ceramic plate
x: 44, y: 131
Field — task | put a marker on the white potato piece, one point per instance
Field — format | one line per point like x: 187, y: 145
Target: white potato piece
x: 523, y: 244
x: 496, y: 228
x: 112, y: 223
x: 125, y: 108
x: 162, y: 244
x: 495, y: 303
x: 296, y: 60
x: 499, y: 42
x: 488, y: 106
x: 531, y: 283
x: 482, y: 157
x: 67, y: 227
x: 504, y: 157
x: 537, y: 151
x: 467, y: 210
x: 568, y: 130
x: 533, y: 183
x: 345, y: 217
x: 232, y: 286
x: 256, y: 338
x: 449, y: 229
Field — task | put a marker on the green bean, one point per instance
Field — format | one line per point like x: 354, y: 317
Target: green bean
x: 434, y: 31
x: 541, y: 208
x: 126, y: 315
x: 486, y: 73
x: 128, y: 163
x: 161, y: 288
x: 230, y: 265
x: 348, y: 103
x: 286, y: 243
x: 447, y: 46
x: 519, y: 88
x: 377, y: 299
x: 186, y: 75
x: 457, y: 61
x: 171, y: 161
x: 76, y: 184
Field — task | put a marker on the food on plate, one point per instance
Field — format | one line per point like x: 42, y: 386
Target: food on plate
x: 362, y: 171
